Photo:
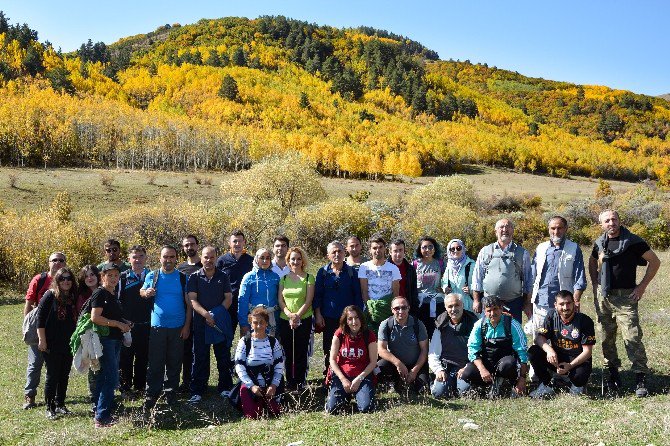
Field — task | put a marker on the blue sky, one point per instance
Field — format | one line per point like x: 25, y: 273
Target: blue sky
x: 621, y: 44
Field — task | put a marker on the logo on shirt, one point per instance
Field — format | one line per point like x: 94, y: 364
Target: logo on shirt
x: 352, y: 352
x: 564, y: 332
x: 575, y: 333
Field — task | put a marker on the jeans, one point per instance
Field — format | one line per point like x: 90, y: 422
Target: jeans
x: 33, y: 371
x: 201, y: 363
x: 165, y: 356
x: 452, y: 387
x: 337, y: 396
x: 108, y: 378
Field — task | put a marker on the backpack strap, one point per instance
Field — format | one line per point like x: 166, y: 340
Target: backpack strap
x: 467, y: 272
x: 247, y: 343
x: 41, y: 281
x: 508, y: 325
x: 387, y: 329
x: 154, y: 282
x: 416, y: 328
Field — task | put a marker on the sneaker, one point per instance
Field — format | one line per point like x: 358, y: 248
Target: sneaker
x: 29, y: 402
x: 62, y: 410
x: 542, y: 391
x: 641, y: 387
x: 94, y: 408
x: 577, y: 390
x: 103, y: 424
x: 494, y: 390
x: 614, y: 381
x: 225, y: 394
x: 195, y: 399
x: 51, y: 414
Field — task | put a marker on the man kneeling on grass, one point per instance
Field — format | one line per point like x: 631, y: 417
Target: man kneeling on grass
x: 496, y: 350
x: 403, y: 349
x: 563, y: 344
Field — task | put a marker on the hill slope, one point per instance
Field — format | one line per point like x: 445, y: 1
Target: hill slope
x: 358, y: 102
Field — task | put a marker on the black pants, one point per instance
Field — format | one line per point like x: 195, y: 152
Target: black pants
x: 331, y: 325
x: 579, y: 376
x: 187, y: 361
x: 390, y: 373
x: 165, y: 355
x: 295, y: 343
x: 134, y: 360
x: 504, y: 368
x: 423, y: 313
x: 57, y: 377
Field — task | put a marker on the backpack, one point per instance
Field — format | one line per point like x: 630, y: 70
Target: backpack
x: 507, y: 324
x: 40, y: 281
x: 30, y: 322
x: 387, y: 329
x: 182, y: 280
x: 504, y: 287
x: 234, y: 397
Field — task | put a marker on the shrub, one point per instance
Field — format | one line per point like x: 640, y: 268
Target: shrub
x: 106, y: 179
x: 12, y: 180
x: 61, y: 207
x: 452, y: 189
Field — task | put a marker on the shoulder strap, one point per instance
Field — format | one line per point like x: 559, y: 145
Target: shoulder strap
x: 416, y: 328
x: 273, y: 341
x: 387, y: 329
x: 154, y: 282
x: 366, y: 337
x: 508, y: 325
x: 488, y: 258
x: 41, y: 281
x: 247, y: 343
x: 467, y: 272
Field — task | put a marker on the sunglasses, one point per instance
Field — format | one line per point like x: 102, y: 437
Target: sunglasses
x: 64, y: 278
x: 457, y: 248
x: 57, y: 260
x: 401, y: 308
x: 111, y: 249
x: 428, y: 247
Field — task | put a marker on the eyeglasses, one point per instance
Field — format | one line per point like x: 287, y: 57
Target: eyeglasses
x: 265, y: 259
x: 64, y: 278
x: 457, y: 248
x: 115, y: 249
x: 401, y: 308
x: 428, y: 247
x: 57, y: 260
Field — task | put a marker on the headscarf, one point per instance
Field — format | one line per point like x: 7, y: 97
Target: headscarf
x: 456, y: 259
x: 256, y: 267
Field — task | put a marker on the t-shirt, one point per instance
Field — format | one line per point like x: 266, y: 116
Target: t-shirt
x: 567, y: 339
x: 33, y: 294
x: 353, y: 356
x: 189, y: 269
x: 169, y: 309
x: 428, y: 276
x: 295, y: 293
x: 111, y: 308
x: 210, y: 292
x: 403, y: 277
x: 623, y: 267
x: 402, y: 341
x: 380, y: 278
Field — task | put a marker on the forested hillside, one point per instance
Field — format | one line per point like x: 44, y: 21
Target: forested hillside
x: 221, y: 94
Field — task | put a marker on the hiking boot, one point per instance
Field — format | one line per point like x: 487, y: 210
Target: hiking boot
x: 195, y: 399
x: 641, y: 386
x: 103, y: 424
x: 577, y: 390
x: 29, y: 402
x: 614, y: 381
x: 542, y: 391
x: 51, y: 414
x: 62, y: 410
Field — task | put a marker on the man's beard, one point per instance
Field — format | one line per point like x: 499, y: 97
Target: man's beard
x: 556, y: 240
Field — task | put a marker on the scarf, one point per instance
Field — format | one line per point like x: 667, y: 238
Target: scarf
x: 454, y: 262
x: 625, y: 240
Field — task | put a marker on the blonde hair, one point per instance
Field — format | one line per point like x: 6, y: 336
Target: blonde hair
x: 299, y: 251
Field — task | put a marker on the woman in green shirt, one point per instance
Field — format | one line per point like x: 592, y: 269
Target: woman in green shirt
x: 296, y: 292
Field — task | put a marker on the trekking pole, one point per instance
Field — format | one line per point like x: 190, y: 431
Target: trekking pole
x: 293, y: 355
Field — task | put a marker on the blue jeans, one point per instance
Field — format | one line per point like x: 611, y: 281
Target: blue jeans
x: 452, y: 387
x: 337, y: 396
x: 108, y: 378
x: 33, y: 371
x: 201, y: 363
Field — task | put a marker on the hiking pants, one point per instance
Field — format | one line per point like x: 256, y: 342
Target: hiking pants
x: 165, y: 356
x: 579, y: 376
x: 506, y: 368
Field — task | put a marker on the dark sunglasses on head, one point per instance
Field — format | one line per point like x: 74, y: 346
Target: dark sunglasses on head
x: 457, y: 248
x: 57, y: 260
x: 64, y: 278
x: 400, y: 307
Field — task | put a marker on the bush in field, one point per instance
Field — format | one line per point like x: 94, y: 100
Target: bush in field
x: 259, y: 220
x: 453, y: 189
x: 61, y: 207
x: 313, y: 227
x: 26, y: 240
x: 289, y: 179
x: 441, y: 220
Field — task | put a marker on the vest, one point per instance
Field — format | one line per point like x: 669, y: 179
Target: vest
x: 565, y: 265
x: 504, y: 272
x: 494, y: 349
x: 454, y: 340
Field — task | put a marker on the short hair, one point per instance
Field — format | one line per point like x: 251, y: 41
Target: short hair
x: 558, y: 217
x: 169, y: 247
x: 491, y: 301
x: 456, y: 295
x: 398, y: 241
x: 81, y: 277
x: 565, y: 294
x: 259, y: 311
x: 237, y: 233
x: 335, y: 243
x: 216, y: 251
x: 113, y: 242
x: 344, y: 327
x: 600, y: 216
x: 61, y: 253
x: 299, y: 250
x: 352, y: 237
x: 401, y: 297
x: 197, y: 242
x: 281, y: 238
x: 437, y: 253
x: 138, y: 248
x: 377, y: 239
x: 509, y: 220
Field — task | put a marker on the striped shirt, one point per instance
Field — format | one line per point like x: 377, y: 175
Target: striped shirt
x: 260, y: 354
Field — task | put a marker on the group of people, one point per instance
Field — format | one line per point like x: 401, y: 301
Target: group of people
x: 439, y: 322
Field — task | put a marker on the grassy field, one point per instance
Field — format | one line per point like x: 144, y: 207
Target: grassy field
x: 24, y: 189
x: 589, y: 420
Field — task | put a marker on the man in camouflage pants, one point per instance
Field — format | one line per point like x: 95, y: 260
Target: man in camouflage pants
x: 613, y: 264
